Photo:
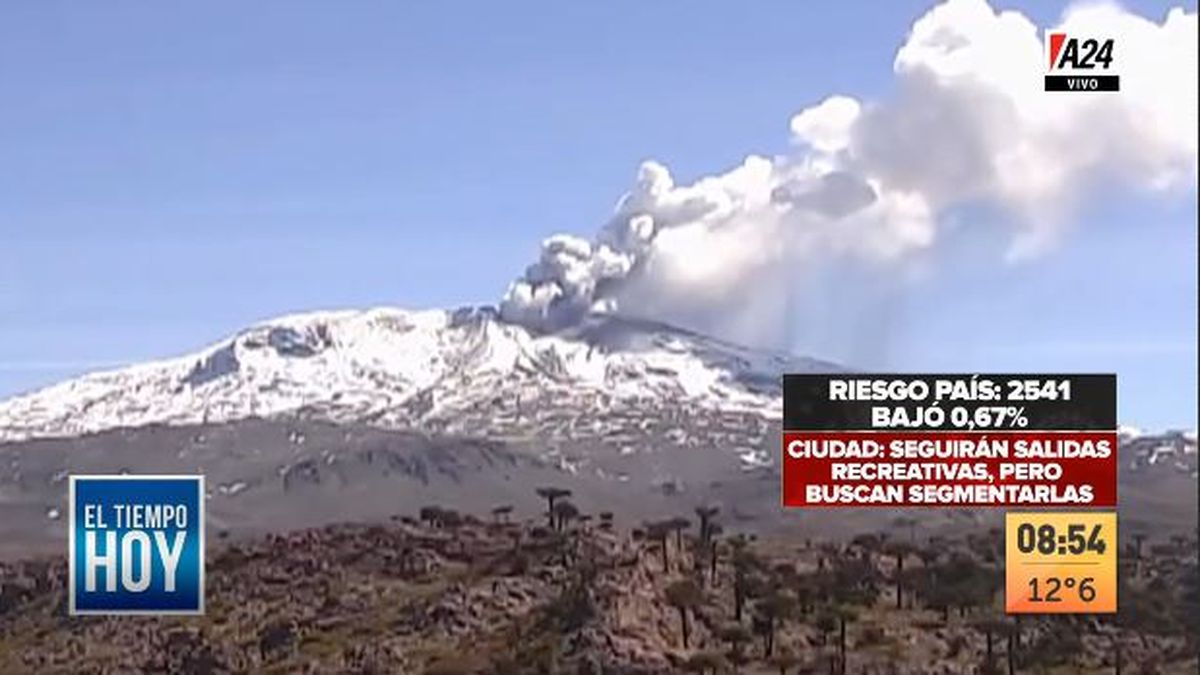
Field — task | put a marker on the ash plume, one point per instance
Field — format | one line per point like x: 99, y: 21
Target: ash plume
x: 868, y: 184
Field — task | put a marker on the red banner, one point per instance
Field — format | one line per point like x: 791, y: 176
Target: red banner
x: 893, y: 469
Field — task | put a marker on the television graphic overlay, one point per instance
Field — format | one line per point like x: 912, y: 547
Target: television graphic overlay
x: 972, y: 440
x: 136, y: 545
x: 1060, y: 563
x: 1080, y: 63
x: 949, y: 440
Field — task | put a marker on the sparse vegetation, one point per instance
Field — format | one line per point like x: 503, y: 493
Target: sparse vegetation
x: 446, y: 592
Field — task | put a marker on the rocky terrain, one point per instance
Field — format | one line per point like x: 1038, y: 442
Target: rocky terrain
x: 344, y: 453
x: 1172, y: 451
x: 441, y: 592
x: 266, y: 476
x: 351, y: 416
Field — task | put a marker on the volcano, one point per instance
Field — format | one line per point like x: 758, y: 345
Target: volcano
x: 361, y: 415
x: 462, y: 371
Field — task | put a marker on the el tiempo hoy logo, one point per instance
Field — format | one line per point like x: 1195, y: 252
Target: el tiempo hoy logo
x: 136, y: 545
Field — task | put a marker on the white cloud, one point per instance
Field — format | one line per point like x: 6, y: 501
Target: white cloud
x: 869, y: 182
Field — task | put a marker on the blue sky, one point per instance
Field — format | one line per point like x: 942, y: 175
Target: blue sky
x: 170, y: 174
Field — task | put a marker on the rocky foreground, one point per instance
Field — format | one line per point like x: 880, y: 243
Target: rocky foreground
x: 446, y: 593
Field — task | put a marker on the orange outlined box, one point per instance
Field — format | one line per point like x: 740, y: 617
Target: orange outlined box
x: 1060, y: 563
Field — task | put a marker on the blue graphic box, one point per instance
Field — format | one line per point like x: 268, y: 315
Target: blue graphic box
x: 136, y: 544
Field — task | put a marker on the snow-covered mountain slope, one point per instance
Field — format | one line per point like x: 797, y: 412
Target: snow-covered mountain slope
x: 1169, y: 450
x: 461, y: 371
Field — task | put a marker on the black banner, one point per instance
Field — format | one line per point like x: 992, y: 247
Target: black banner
x: 1034, y: 402
x: 1083, y: 83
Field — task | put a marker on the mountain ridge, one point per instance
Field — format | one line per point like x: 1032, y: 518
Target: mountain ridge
x: 627, y: 383
x: 350, y: 415
x: 403, y: 369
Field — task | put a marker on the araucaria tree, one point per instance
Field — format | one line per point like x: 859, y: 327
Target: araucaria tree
x: 551, y: 495
x: 684, y: 595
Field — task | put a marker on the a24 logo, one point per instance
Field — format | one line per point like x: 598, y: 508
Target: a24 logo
x: 1068, y: 53
x: 1071, y: 62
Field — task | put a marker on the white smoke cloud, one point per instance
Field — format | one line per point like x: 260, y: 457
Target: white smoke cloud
x: 869, y: 183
